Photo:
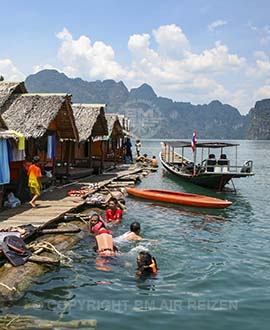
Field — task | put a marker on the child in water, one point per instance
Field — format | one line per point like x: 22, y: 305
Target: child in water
x: 147, y: 264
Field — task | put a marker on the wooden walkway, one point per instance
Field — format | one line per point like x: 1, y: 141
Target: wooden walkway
x: 54, y: 203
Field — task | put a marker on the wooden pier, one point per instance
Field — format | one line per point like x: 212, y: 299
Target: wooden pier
x: 54, y: 202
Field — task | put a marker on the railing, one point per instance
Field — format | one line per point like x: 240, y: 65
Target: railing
x: 214, y: 167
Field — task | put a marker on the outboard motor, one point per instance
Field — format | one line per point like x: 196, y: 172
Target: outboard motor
x: 247, y: 166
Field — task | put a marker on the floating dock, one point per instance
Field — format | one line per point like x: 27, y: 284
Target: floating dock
x: 54, y: 202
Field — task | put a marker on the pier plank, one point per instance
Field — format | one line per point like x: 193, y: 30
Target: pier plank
x: 54, y: 203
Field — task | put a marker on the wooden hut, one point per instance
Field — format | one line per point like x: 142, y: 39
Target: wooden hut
x: 114, y: 140
x: 44, y: 120
x: 92, y: 125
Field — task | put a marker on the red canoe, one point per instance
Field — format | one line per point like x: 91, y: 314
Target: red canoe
x: 175, y: 197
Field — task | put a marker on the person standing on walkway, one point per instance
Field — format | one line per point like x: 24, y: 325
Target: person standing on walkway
x: 34, y: 183
x: 138, y: 147
x: 128, y: 146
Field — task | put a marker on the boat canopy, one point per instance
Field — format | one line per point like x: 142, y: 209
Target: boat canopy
x: 187, y: 144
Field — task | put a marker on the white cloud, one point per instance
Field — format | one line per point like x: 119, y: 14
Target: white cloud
x: 262, y: 93
x: 261, y: 68
x: 183, y: 75
x: 164, y: 59
x: 171, y: 40
x: 9, y: 71
x: 81, y: 57
x: 260, y: 55
x: 216, y: 24
x: 138, y: 42
x: 215, y: 59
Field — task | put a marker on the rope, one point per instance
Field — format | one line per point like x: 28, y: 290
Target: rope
x: 49, y: 247
x: 8, y: 287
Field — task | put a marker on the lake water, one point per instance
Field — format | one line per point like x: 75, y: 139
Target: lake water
x: 213, y: 264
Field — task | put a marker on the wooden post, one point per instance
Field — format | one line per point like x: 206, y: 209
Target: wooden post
x: 102, y: 156
x: 89, y: 150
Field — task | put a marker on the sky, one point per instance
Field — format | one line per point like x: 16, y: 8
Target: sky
x: 191, y: 51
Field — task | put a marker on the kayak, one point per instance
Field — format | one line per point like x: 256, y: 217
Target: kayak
x: 181, y: 198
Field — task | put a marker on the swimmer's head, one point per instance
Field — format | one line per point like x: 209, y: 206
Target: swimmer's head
x: 135, y: 227
x: 146, y: 263
x: 112, y: 203
x: 94, y: 219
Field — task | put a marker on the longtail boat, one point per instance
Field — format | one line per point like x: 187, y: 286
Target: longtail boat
x: 181, y: 198
x: 209, y: 171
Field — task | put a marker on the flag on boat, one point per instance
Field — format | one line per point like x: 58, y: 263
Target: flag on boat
x: 194, y: 141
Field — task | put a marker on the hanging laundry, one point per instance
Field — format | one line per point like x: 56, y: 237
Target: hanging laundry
x: 21, y: 144
x: 9, y: 147
x: 51, y: 146
x: 4, y: 163
x: 18, y: 155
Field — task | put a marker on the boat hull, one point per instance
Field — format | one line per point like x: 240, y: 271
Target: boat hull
x: 216, y: 181
x: 180, y: 198
x: 213, y: 181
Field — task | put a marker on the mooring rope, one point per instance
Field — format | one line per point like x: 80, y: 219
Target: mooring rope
x: 8, y: 287
x: 49, y: 247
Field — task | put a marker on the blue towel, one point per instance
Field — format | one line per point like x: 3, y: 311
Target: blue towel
x: 4, y: 163
x: 51, y: 146
x: 10, y: 153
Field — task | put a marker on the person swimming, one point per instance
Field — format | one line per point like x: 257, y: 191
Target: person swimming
x: 104, y: 245
x: 113, y: 213
x: 96, y: 225
x: 147, y: 264
x: 132, y: 235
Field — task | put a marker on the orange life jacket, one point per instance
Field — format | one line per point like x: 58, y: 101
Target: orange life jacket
x: 104, y: 242
x: 153, y: 266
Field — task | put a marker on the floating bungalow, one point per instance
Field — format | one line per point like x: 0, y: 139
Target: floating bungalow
x: 92, y: 126
x: 47, y: 124
x: 114, y: 141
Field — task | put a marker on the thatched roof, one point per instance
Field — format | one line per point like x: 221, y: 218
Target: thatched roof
x: 2, y: 123
x: 90, y: 120
x: 113, y: 124
x: 32, y: 115
x: 4, y: 132
x: 7, y: 88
